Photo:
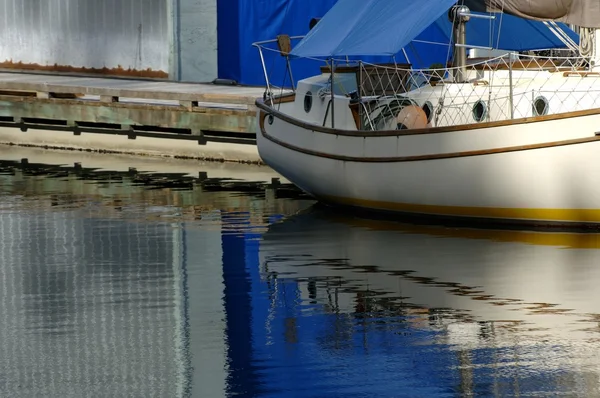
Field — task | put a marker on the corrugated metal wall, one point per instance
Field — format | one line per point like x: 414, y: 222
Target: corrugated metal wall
x: 68, y: 35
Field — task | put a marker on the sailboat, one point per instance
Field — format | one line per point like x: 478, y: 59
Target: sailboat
x: 506, y: 138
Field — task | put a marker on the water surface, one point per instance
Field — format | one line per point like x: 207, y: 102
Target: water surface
x: 206, y: 280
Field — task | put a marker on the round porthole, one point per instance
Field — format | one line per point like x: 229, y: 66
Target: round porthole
x: 540, y: 106
x: 270, y: 119
x: 428, y: 109
x: 307, y: 102
x: 480, y: 111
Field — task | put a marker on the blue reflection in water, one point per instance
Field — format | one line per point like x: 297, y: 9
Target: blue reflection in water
x: 243, y: 378
x: 276, y: 346
x: 386, y: 348
x: 111, y: 292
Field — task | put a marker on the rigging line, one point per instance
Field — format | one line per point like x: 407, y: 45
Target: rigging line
x: 444, y: 86
x: 430, y: 42
x: 415, y: 52
x: 405, y: 56
x: 452, y: 38
x: 285, y: 14
x: 500, y: 25
x: 494, y: 5
x: 585, y: 47
x: 491, y: 36
x: 563, y: 33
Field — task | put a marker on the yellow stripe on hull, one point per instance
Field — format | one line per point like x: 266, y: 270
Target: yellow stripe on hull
x: 583, y: 216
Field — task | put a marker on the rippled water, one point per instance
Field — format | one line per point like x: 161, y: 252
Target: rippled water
x: 129, y: 283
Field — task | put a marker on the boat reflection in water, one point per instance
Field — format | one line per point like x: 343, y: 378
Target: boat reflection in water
x: 522, y: 307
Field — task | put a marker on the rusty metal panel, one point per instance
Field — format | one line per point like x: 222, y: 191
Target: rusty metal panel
x: 117, y: 37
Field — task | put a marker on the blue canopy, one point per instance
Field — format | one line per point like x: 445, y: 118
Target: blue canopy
x: 370, y: 27
x: 505, y: 32
x: 385, y: 27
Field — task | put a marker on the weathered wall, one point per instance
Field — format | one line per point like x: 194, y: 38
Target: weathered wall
x: 197, y: 40
x: 68, y: 35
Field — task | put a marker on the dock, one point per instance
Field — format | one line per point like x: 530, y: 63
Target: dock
x: 134, y: 116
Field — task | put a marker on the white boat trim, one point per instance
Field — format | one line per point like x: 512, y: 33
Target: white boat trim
x: 260, y: 103
x: 263, y: 115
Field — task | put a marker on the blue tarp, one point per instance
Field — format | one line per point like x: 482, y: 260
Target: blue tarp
x: 242, y: 22
x: 370, y: 27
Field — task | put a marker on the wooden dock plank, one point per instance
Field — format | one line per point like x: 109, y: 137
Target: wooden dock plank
x: 139, y: 89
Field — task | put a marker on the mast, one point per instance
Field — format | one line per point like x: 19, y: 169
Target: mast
x: 459, y: 16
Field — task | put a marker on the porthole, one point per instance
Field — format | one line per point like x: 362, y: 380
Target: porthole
x: 270, y: 119
x: 540, y: 106
x: 428, y: 109
x: 308, y: 102
x: 480, y: 111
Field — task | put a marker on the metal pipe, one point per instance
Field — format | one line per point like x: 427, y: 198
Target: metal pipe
x: 510, y: 88
x: 262, y: 60
x: 473, y: 46
x: 260, y: 43
x: 289, y: 67
x: 405, y: 56
x: 479, y: 16
x: 332, y: 95
x: 361, y: 109
x: 326, y: 113
x: 460, y: 53
x: 459, y: 16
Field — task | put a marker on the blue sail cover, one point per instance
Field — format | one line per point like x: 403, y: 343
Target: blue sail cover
x: 505, y: 32
x: 385, y: 27
x: 370, y: 27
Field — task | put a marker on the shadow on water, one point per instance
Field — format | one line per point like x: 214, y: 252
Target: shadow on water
x: 149, y: 180
x: 463, y: 222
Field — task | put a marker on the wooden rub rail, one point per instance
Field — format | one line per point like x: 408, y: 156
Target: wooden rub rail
x: 194, y: 112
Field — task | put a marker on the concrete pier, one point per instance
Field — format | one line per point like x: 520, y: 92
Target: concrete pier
x: 190, y: 120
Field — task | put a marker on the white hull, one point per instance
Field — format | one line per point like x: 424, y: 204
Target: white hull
x: 547, y: 170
